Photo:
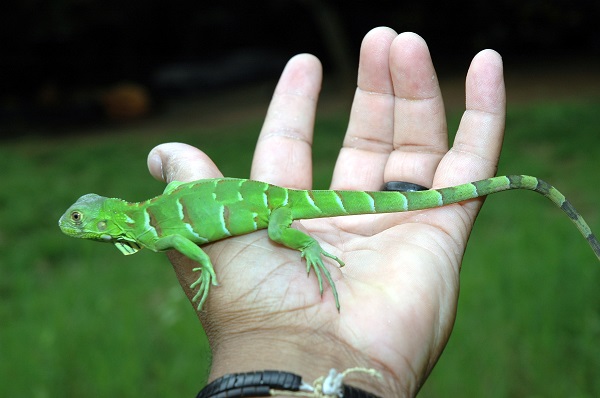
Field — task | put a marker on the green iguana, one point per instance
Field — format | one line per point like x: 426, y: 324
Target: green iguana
x: 190, y: 214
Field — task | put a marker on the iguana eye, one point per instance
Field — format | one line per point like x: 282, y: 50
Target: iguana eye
x: 76, y: 216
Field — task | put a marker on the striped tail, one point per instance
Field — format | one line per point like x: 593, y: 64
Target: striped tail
x: 326, y: 203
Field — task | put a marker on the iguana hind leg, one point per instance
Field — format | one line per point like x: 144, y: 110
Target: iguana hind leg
x: 280, y: 231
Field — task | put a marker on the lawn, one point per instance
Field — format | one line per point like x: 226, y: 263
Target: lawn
x: 79, y: 319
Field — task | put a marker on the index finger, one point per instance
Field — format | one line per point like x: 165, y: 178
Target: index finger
x: 283, y: 154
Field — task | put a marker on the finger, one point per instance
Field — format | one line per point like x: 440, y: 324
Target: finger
x: 476, y: 149
x: 420, y: 133
x: 180, y: 162
x: 368, y: 140
x: 283, y: 150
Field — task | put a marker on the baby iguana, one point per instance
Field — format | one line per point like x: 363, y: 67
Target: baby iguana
x: 190, y: 214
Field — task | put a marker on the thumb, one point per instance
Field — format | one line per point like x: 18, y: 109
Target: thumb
x: 180, y: 162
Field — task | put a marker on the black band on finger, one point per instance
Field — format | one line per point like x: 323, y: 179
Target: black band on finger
x: 403, y: 186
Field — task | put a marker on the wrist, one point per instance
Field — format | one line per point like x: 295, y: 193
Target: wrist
x: 306, y: 354
x: 269, y: 383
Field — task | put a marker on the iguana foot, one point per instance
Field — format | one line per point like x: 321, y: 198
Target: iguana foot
x: 313, y: 255
x: 206, y: 279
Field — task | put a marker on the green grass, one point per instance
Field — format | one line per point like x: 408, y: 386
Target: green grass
x: 79, y: 319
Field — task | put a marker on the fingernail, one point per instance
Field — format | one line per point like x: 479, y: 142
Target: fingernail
x: 155, y: 165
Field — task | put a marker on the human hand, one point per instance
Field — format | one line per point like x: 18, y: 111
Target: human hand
x: 399, y: 288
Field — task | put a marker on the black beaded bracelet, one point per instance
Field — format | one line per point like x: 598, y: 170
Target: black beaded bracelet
x: 261, y: 384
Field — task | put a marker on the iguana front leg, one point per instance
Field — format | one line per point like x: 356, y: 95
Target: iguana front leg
x: 279, y: 230
x: 192, y: 251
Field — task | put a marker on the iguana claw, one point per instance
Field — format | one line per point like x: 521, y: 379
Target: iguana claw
x: 203, y: 283
x: 313, y: 255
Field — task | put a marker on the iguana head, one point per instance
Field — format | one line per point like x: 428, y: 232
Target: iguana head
x: 85, y: 219
x: 90, y: 218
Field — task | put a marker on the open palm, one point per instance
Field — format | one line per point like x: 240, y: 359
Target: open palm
x: 399, y: 288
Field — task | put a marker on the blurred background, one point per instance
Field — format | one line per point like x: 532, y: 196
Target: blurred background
x: 83, y: 62
x: 88, y: 87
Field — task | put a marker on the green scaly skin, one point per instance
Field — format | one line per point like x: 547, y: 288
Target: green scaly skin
x: 190, y: 214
